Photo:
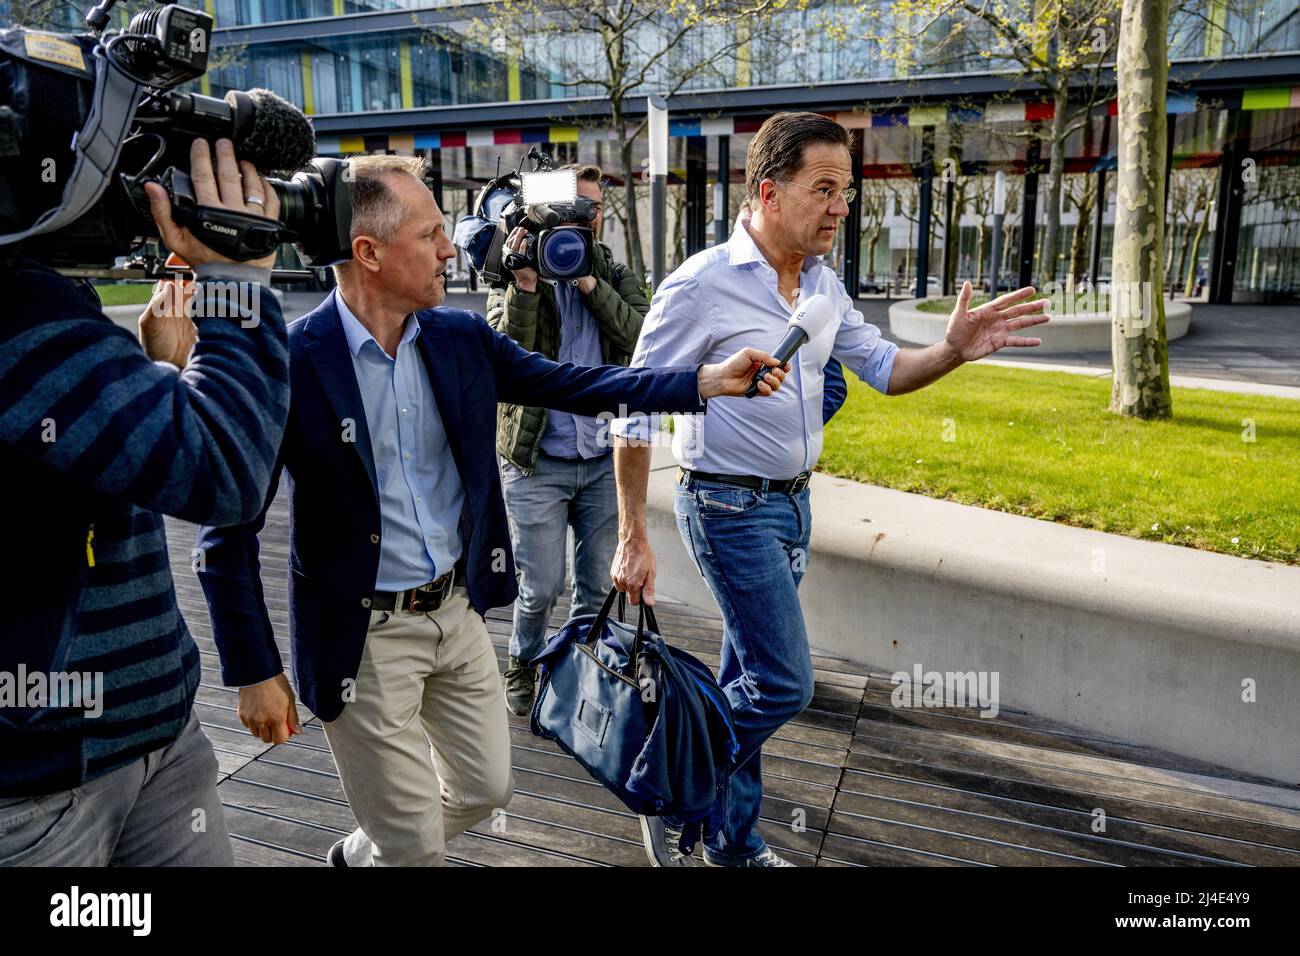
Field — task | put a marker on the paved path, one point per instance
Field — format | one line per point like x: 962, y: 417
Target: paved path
x: 852, y: 781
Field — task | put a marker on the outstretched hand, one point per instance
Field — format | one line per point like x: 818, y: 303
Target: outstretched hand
x: 975, y: 333
x: 734, y: 376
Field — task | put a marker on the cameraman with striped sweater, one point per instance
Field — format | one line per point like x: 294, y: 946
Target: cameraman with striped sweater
x: 101, y: 757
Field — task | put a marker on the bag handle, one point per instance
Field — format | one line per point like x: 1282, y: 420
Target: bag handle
x: 645, y: 614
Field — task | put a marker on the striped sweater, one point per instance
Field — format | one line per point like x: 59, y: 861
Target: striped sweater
x: 97, y: 443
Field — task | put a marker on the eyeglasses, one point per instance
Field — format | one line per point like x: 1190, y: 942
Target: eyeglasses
x: 830, y: 195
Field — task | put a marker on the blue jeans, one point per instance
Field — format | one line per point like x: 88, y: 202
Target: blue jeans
x: 540, y: 507
x: 751, y: 548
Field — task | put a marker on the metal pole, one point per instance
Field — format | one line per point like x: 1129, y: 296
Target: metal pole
x: 719, y: 214
x: 657, y: 109
x: 853, y: 222
x: 724, y: 180
x: 697, y: 182
x: 435, y: 174
x: 1029, y: 212
x: 1094, y: 265
x: 999, y: 215
x: 923, y: 212
x: 1227, y: 212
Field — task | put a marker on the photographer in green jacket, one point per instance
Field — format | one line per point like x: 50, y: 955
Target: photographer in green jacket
x: 557, y: 469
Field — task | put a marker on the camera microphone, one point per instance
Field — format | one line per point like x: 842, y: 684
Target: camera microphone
x: 267, y: 130
x: 808, y: 321
x: 281, y: 139
x: 544, y: 215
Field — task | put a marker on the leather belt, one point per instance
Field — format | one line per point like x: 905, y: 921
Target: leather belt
x: 791, y: 486
x: 428, y: 597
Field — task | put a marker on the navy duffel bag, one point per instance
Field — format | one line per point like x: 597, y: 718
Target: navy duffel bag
x: 646, y: 720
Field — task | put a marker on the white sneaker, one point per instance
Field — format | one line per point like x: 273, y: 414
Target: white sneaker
x: 766, y: 858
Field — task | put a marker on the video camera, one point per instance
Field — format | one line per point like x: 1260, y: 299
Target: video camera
x: 87, y: 119
x: 539, y: 201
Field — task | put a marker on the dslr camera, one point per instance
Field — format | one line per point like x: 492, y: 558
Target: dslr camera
x: 87, y: 119
x: 545, y: 202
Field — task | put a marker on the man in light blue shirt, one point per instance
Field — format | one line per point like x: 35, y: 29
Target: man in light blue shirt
x: 742, y: 499
x: 420, y: 493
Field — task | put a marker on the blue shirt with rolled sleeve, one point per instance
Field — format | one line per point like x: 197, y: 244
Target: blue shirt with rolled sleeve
x: 420, y: 492
x: 565, y: 435
x: 722, y: 300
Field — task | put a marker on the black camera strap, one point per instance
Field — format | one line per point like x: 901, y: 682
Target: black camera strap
x: 96, y: 148
x: 233, y: 234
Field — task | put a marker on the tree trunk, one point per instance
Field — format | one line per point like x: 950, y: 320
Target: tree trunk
x: 1139, y: 349
x: 872, y: 242
x: 679, y: 228
x: 1005, y: 265
x: 1052, y: 202
x: 907, y: 254
x: 1189, y: 287
x: 1166, y: 277
x: 1079, y: 242
x: 631, y: 222
x: 1183, y: 245
x: 958, y: 210
x: 979, y: 255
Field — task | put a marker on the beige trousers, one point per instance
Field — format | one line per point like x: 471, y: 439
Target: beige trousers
x: 423, y: 750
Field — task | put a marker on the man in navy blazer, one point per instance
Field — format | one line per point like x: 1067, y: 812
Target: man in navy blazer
x: 398, y: 540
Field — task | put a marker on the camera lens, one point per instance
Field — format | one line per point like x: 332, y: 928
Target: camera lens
x: 316, y: 209
x: 563, y: 253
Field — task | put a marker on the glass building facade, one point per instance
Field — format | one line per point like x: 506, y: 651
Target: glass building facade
x: 343, y: 61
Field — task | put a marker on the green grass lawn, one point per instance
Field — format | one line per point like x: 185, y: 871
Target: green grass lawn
x: 1043, y: 444
x: 130, y: 293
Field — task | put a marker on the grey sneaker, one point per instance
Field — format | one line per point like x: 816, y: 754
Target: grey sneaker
x: 520, y: 686
x: 766, y: 858
x: 661, y: 843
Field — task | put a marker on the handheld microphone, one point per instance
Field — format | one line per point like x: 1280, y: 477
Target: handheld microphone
x: 813, y: 315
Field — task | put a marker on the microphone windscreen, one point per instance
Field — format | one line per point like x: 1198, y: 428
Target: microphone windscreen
x: 282, y: 139
x: 814, y: 314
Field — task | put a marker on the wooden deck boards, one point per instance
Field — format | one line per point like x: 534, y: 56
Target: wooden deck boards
x: 851, y: 781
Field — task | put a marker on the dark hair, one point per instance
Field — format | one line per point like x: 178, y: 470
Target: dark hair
x: 587, y: 172
x: 776, y: 150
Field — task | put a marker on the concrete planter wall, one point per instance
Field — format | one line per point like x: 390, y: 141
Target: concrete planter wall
x: 1177, y: 649
x: 1078, y: 332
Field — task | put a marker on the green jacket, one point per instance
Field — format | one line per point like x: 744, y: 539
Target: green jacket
x: 619, y: 306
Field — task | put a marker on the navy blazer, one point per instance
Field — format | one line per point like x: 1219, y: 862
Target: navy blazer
x: 334, y: 503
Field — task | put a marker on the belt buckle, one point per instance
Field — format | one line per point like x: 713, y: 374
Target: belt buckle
x: 800, y: 483
x: 418, y: 601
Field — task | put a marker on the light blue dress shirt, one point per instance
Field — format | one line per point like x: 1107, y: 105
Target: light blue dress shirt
x: 420, y: 493
x: 565, y: 435
x: 722, y: 300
